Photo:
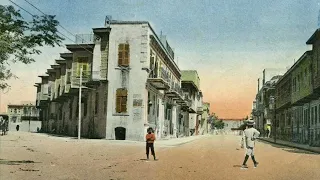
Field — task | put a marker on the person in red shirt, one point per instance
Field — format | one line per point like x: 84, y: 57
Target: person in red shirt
x: 150, y: 138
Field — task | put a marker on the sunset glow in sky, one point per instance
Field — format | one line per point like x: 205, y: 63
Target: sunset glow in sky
x: 229, y: 43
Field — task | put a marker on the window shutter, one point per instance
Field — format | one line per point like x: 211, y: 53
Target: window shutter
x: 126, y: 55
x: 119, y: 92
x: 124, y: 92
x: 120, y: 57
x: 118, y: 100
x: 85, y: 69
x: 124, y: 104
x: 118, y: 104
x: 120, y: 54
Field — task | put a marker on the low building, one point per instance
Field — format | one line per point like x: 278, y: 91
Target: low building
x: 230, y: 124
x: 24, y: 115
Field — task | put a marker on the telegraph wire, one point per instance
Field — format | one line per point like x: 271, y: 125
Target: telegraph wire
x: 59, y: 25
x: 65, y: 30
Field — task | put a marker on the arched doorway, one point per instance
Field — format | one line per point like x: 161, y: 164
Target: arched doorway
x: 120, y: 133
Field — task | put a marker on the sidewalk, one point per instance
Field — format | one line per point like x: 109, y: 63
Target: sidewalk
x: 170, y: 142
x: 179, y: 141
x: 292, y: 145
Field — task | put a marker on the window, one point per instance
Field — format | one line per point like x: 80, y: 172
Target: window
x: 319, y: 114
x: 105, y: 104
x: 315, y: 115
x: 69, y: 78
x: 85, y: 107
x: 70, y: 107
x: 14, y: 119
x: 123, y: 55
x: 77, y: 110
x: 84, y: 63
x: 97, y: 103
x: 298, y: 83
x: 121, y: 100
x: 310, y: 72
x: 312, y: 115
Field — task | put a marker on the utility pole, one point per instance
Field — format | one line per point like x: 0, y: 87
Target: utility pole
x: 80, y: 88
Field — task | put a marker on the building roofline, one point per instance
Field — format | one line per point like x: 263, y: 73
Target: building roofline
x: 20, y: 105
x: 313, y: 37
x: 128, y: 22
x: 294, y: 66
x: 154, y: 33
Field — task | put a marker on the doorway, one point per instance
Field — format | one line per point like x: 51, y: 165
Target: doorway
x: 120, y: 133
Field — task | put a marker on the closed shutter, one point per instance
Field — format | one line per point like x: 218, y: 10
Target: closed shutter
x: 118, y: 104
x: 126, y: 55
x: 121, y: 100
x: 123, y: 55
x: 118, y: 100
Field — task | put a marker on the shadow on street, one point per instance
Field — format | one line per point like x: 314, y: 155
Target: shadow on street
x: 289, y: 149
x: 8, y: 162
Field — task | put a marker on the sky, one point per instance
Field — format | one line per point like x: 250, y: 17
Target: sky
x: 229, y: 43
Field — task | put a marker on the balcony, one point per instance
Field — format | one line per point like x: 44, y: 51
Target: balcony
x: 160, y: 82
x: 199, y: 110
x: 175, y: 91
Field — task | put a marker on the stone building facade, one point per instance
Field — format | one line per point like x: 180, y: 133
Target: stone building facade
x: 130, y: 82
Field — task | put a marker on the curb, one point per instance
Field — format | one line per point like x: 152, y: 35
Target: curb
x: 292, y: 146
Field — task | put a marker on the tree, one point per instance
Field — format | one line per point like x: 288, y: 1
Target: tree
x: 19, y: 39
x: 219, y: 124
x: 215, y: 122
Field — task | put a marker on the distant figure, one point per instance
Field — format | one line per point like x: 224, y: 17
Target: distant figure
x: 249, y: 137
x: 38, y: 129
x: 18, y: 127
x: 269, y: 130
x: 150, y: 138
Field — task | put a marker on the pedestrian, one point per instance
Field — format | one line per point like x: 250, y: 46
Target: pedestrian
x: 269, y: 130
x: 150, y: 138
x: 17, y: 127
x: 249, y: 137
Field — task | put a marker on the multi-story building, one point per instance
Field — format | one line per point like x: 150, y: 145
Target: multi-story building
x: 58, y: 95
x: 297, y: 99
x: 315, y: 81
x: 130, y: 82
x: 190, y: 83
x: 24, y: 115
x: 144, y: 82
x: 262, y: 110
x: 302, y: 91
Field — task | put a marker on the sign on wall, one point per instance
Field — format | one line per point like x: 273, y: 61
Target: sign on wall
x: 137, y: 107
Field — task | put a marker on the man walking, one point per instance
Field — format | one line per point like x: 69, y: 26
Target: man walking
x: 249, y: 137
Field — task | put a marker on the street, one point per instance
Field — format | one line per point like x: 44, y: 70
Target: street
x: 40, y: 156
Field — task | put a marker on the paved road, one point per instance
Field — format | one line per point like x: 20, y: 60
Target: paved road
x: 38, y: 156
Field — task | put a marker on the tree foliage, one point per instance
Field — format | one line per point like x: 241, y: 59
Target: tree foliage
x: 215, y: 122
x: 19, y: 39
x: 219, y: 124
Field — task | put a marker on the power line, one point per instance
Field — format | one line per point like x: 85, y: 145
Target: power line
x: 59, y: 25
x: 46, y: 15
x: 21, y: 8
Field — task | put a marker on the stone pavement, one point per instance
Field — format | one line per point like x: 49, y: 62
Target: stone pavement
x: 291, y: 144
